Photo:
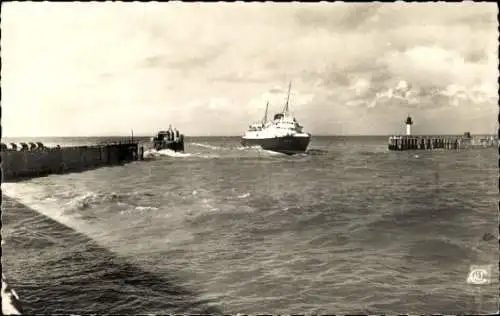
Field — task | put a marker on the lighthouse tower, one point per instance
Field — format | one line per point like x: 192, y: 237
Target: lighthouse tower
x: 409, y: 123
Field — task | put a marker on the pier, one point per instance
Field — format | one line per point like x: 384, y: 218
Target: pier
x: 424, y: 142
x: 23, y: 161
x: 411, y: 142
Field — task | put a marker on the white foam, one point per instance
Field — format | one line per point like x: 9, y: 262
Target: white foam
x: 164, y: 152
x: 146, y: 208
x: 209, y: 156
x: 30, y: 195
x: 206, y: 146
x: 250, y: 147
x: 139, y: 208
x: 273, y: 153
x: 82, y: 201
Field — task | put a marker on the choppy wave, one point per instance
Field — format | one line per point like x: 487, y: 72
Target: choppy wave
x: 152, y: 154
x: 349, y: 221
x: 227, y: 150
x: 89, y: 199
x: 249, y: 148
x: 317, y: 152
x: 208, y: 146
x: 75, y: 275
x: 71, y: 207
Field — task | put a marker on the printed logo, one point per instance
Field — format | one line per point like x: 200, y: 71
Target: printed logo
x: 479, y: 275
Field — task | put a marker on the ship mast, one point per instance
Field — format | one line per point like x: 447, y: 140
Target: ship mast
x: 265, y: 114
x: 285, y: 110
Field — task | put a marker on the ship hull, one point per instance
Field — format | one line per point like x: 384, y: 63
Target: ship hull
x: 289, y: 145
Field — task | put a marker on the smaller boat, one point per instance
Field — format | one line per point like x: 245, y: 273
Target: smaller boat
x: 170, y: 139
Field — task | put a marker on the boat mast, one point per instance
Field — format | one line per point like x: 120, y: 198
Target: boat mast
x: 285, y: 110
x: 265, y: 114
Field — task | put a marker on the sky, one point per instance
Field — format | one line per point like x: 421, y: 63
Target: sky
x: 90, y: 69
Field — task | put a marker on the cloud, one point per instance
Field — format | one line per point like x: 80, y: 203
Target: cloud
x: 338, y: 16
x: 355, y: 67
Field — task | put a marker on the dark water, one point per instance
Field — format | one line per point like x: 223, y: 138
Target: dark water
x: 222, y: 229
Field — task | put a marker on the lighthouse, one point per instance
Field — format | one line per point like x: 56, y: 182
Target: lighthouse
x: 409, y: 123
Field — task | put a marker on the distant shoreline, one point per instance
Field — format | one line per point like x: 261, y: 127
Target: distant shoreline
x: 232, y: 136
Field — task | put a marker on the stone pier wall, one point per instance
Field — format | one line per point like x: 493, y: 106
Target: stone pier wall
x: 29, y: 163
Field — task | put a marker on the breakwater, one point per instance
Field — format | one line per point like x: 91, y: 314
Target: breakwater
x: 407, y: 142
x: 21, y: 162
x: 25, y: 161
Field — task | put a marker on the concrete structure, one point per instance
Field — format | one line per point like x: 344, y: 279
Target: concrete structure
x: 409, y: 142
x: 35, y: 160
x: 423, y: 142
x: 440, y: 142
x: 38, y: 160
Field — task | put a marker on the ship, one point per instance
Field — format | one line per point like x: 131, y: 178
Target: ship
x: 170, y: 139
x: 282, y: 134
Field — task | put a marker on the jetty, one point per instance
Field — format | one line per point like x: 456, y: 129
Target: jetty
x: 430, y: 142
x: 29, y: 160
x: 23, y: 161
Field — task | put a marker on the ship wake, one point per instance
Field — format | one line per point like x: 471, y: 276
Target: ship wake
x: 152, y: 153
x: 206, y: 146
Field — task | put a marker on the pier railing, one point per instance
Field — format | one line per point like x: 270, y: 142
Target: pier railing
x: 38, y: 146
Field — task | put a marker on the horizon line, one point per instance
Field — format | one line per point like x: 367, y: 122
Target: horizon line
x: 191, y: 136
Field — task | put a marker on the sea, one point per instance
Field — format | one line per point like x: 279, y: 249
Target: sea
x: 349, y: 228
